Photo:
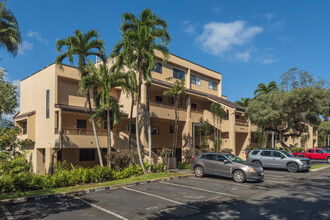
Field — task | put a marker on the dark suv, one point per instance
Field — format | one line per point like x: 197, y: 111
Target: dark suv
x: 227, y: 165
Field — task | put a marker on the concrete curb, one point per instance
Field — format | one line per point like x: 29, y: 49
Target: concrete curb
x: 321, y: 168
x: 86, y: 191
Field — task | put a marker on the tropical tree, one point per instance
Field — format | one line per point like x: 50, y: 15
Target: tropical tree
x: 244, y: 102
x: 10, y: 35
x: 141, y: 36
x: 176, y: 91
x: 83, y: 46
x: 8, y: 97
x: 217, y: 114
x: 103, y: 82
x: 262, y: 88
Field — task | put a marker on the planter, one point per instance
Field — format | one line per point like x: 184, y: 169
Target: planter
x: 172, y: 163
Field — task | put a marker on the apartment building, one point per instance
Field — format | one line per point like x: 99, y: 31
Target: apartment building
x: 54, y: 114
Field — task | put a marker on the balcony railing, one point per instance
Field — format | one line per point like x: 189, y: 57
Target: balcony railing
x: 241, y: 123
x: 77, y: 131
x: 163, y: 105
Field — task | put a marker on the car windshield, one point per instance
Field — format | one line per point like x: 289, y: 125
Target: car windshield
x: 234, y: 158
x: 287, y: 154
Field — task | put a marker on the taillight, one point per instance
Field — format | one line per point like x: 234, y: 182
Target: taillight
x: 192, y: 159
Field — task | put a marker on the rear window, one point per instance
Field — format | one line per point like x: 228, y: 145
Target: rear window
x: 266, y: 153
x: 211, y: 156
x: 255, y: 152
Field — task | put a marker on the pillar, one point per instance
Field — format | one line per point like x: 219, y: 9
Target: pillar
x: 232, y: 135
x: 187, y: 133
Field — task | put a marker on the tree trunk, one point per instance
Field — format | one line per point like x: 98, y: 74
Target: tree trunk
x: 137, y: 128
x: 176, y: 125
x: 109, y: 138
x: 149, y: 128
x: 286, y: 147
x: 94, y: 129
x: 130, y: 124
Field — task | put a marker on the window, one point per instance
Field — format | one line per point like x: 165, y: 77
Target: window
x: 310, y: 151
x: 133, y: 129
x: 159, y: 99
x: 319, y: 151
x: 193, y: 105
x: 255, y: 152
x: 43, y: 152
x: 266, y: 153
x: 86, y: 154
x: 154, y: 130
x: 211, y: 156
x: 277, y: 154
x: 82, y: 124
x: 212, y: 85
x: 195, y: 80
x: 47, y: 103
x: 172, y: 129
x: 158, y: 68
x: 171, y: 100
x: 178, y: 74
x: 221, y: 158
x: 24, y: 126
x: 237, y: 116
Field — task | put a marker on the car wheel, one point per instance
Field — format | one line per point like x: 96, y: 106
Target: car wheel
x: 257, y: 163
x: 328, y: 159
x: 239, y: 176
x: 199, y: 171
x: 293, y: 168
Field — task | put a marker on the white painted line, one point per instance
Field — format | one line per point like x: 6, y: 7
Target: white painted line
x: 200, y: 189
x: 102, y: 209
x: 271, y: 181
x: 229, y: 183
x: 267, y: 175
x: 7, y: 213
x: 160, y: 197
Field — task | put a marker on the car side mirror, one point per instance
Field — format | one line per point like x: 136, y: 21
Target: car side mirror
x: 226, y: 161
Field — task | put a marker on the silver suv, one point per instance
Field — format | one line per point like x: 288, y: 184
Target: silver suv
x: 227, y: 165
x: 270, y: 158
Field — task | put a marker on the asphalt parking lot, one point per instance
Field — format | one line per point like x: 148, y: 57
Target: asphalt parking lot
x: 282, y: 195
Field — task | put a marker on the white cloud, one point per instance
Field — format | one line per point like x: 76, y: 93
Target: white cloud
x: 228, y: 39
x: 216, y: 9
x: 37, y: 35
x: 277, y: 26
x: 269, y: 16
x: 25, y: 46
x: 189, y: 28
x: 267, y: 61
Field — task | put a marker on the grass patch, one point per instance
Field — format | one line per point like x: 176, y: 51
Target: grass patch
x: 315, y: 166
x: 146, y: 177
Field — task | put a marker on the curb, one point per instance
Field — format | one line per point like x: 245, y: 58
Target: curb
x: 318, y: 169
x: 86, y: 191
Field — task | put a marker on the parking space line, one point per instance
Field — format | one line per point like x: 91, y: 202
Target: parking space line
x: 265, y: 180
x: 7, y: 213
x: 200, y: 189
x: 102, y: 209
x: 236, y: 184
x: 160, y: 197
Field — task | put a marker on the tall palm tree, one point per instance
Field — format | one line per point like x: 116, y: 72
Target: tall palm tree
x: 105, y: 103
x: 262, y: 88
x: 10, y: 35
x: 217, y: 114
x: 83, y: 46
x: 132, y: 87
x: 245, y: 102
x: 176, y: 91
x: 140, y: 37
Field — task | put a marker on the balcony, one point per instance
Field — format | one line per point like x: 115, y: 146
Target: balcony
x: 82, y: 138
x: 77, y: 131
x: 241, y: 122
x: 166, y: 111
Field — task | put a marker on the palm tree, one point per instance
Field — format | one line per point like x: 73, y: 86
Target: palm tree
x: 132, y: 87
x: 10, y: 35
x: 105, y: 103
x: 140, y: 37
x: 217, y: 114
x: 262, y: 88
x: 176, y: 91
x: 83, y: 46
x: 244, y: 102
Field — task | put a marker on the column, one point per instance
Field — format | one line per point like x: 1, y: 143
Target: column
x: 187, y: 80
x: 187, y: 133
x: 232, y: 135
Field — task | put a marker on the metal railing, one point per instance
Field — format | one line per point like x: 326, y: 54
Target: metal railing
x: 241, y: 123
x: 78, y: 131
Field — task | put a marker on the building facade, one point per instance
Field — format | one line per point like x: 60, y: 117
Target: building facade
x: 54, y: 114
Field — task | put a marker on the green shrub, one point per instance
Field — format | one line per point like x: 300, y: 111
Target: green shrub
x: 184, y: 165
x: 297, y: 150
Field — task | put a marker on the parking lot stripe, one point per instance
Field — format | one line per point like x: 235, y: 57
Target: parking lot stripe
x: 271, y: 181
x: 7, y: 213
x: 160, y: 197
x: 102, y: 209
x: 200, y: 189
x: 229, y: 183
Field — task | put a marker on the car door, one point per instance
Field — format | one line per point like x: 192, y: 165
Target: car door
x: 278, y: 159
x: 210, y: 163
x: 222, y: 169
x: 319, y: 154
x: 266, y: 158
x: 310, y: 154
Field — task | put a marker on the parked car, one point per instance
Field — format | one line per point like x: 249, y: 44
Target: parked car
x: 271, y: 158
x: 314, y: 154
x: 227, y: 165
x: 327, y: 150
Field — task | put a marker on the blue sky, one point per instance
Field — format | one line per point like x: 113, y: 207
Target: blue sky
x: 247, y: 41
